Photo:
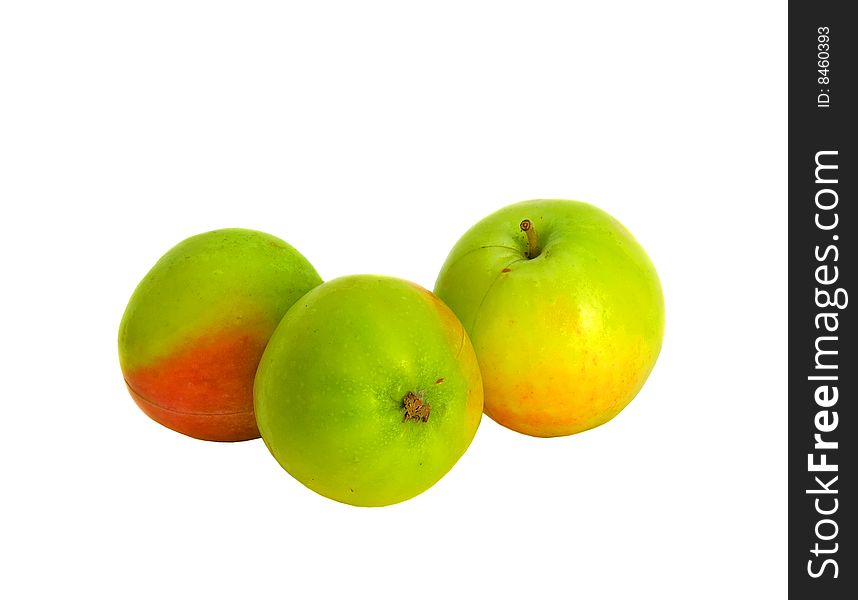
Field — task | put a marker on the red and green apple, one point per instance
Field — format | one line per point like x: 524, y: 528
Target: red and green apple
x: 195, y: 328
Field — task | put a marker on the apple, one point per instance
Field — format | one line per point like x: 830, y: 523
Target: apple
x: 195, y: 328
x: 369, y: 390
x: 565, y: 311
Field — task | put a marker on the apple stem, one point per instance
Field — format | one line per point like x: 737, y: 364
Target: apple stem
x: 532, y: 239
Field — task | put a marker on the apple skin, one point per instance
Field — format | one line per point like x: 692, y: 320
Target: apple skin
x: 196, y: 326
x: 331, y: 386
x: 567, y: 339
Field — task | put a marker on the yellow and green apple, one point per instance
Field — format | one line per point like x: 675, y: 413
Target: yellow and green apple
x: 565, y: 312
x: 195, y: 328
x: 369, y: 390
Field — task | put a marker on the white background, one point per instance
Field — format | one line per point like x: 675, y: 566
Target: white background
x: 371, y: 135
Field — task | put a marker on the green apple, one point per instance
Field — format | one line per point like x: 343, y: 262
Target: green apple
x: 369, y: 390
x: 565, y: 311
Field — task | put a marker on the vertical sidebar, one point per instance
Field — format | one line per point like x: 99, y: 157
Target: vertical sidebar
x: 823, y: 562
